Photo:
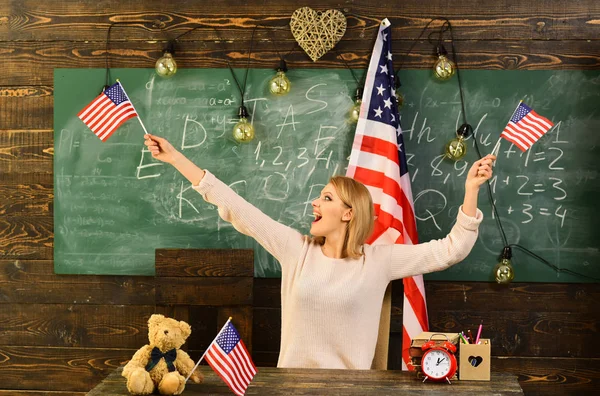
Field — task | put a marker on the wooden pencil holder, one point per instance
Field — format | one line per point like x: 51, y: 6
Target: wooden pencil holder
x: 475, y: 361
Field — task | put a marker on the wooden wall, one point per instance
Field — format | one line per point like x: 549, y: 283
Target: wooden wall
x: 65, y: 333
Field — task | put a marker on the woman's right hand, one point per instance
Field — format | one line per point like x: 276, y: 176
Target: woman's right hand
x: 161, y: 149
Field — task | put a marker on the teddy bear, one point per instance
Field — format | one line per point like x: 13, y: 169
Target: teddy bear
x: 161, y: 365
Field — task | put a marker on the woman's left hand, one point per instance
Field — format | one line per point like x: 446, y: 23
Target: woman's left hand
x: 480, y: 172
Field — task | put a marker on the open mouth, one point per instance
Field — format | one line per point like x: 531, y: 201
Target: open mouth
x: 317, y: 217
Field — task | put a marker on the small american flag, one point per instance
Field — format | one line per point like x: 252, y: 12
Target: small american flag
x: 108, y: 111
x: 378, y: 160
x: 525, y: 127
x: 230, y: 359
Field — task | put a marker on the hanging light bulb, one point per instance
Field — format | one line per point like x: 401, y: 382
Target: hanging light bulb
x: 503, y: 272
x: 443, y: 68
x: 165, y: 65
x: 399, y: 99
x: 355, y: 110
x: 399, y: 96
x: 457, y: 148
x: 243, y: 131
x: 280, y: 84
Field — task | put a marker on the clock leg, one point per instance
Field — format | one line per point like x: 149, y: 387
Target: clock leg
x: 448, y: 381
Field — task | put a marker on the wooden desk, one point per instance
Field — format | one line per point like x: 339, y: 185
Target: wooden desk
x: 274, y: 381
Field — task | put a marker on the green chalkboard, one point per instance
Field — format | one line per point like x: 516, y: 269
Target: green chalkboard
x: 114, y: 205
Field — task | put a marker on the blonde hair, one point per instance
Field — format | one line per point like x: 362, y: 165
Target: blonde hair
x: 356, y: 196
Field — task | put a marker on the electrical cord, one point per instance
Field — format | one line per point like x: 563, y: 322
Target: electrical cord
x: 242, y: 90
x: 447, y: 26
x: 107, y: 51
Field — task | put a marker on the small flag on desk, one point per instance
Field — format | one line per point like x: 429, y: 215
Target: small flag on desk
x: 108, y: 111
x: 525, y: 127
x: 229, y: 358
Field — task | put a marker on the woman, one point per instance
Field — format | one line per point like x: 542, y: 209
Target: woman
x: 332, y: 285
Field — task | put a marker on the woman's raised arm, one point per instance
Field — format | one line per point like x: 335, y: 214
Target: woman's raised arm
x: 283, y: 242
x: 164, y: 151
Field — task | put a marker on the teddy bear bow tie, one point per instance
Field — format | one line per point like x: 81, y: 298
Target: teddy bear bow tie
x: 156, y: 355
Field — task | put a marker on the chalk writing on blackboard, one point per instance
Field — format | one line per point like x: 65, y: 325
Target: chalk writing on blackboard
x: 114, y: 204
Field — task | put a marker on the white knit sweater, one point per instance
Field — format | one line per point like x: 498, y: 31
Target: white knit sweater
x: 330, y: 308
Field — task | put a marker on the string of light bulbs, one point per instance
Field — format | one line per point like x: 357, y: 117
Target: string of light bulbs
x: 280, y: 84
x: 441, y: 58
x: 107, y: 47
x: 243, y: 131
x: 354, y: 113
x: 166, y: 66
x: 444, y: 69
x: 456, y: 149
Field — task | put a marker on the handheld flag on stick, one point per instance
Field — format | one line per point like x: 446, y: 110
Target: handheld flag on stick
x: 524, y: 128
x: 378, y: 160
x: 109, y: 111
x: 228, y: 357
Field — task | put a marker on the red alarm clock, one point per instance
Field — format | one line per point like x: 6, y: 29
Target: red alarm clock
x: 438, y: 362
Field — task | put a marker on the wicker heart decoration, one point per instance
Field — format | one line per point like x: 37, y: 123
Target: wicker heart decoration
x: 317, y: 32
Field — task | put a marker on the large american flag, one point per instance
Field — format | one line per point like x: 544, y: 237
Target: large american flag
x: 378, y: 160
x: 525, y: 127
x: 108, y: 111
x: 229, y: 358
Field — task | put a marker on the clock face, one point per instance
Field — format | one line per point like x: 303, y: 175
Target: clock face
x: 436, y: 363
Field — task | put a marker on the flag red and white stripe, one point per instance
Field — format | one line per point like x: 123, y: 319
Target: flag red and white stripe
x: 525, y: 127
x: 229, y: 358
x: 108, y: 111
x: 378, y: 160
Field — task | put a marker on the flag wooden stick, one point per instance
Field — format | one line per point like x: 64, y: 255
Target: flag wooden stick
x: 496, y: 148
x: 138, y: 117
x: 142, y: 124
x: 207, y: 349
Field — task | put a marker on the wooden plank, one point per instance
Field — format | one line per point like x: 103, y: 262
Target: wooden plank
x: 33, y: 281
x: 204, y: 262
x: 537, y: 376
x: 205, y: 327
x: 522, y: 323
x: 16, y: 180
x: 275, y: 381
x: 265, y: 359
x: 554, y: 376
x: 470, y: 19
x: 32, y: 63
x: 204, y: 291
x: 27, y: 200
x: 519, y: 333
x: 476, y: 296
x: 25, y: 151
x: 266, y: 329
x: 394, y: 351
x: 267, y: 292
x: 58, y: 369
x: 28, y: 238
x: 75, y: 325
x: 26, y: 107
